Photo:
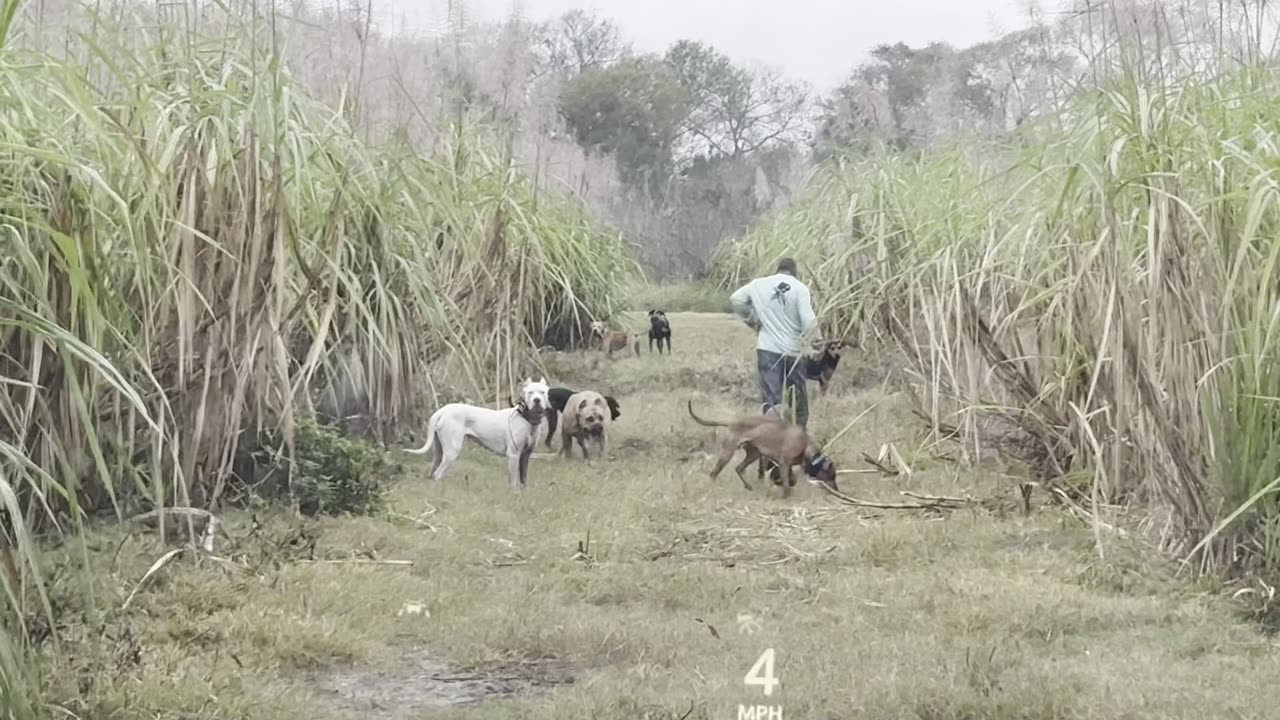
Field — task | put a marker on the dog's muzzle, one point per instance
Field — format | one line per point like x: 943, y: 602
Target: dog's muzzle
x: 533, y: 414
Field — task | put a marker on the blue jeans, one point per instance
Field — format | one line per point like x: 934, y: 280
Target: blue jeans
x: 779, y: 373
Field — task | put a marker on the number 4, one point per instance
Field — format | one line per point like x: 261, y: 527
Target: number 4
x: 762, y: 673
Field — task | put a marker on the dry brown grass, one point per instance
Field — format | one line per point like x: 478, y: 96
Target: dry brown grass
x: 629, y: 580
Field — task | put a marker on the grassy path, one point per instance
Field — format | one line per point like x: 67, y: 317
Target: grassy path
x: 972, y: 615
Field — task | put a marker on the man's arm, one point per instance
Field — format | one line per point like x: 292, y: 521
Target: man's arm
x: 808, y: 320
x: 741, y: 302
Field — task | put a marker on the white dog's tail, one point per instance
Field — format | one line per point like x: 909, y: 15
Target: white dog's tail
x: 431, y: 438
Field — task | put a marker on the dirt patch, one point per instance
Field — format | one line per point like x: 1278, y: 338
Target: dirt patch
x: 637, y: 445
x: 422, y: 682
x: 1037, y: 539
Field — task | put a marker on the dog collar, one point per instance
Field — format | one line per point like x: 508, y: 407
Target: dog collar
x: 813, y: 466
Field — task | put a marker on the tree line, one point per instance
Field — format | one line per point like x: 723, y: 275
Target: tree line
x: 710, y: 143
x: 680, y: 148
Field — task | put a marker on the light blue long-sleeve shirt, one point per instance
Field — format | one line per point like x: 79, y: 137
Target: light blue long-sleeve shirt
x: 782, y: 306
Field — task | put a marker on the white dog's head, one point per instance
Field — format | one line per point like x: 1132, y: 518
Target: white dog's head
x: 533, y: 397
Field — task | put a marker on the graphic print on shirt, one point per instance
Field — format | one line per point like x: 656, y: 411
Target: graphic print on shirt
x: 780, y: 293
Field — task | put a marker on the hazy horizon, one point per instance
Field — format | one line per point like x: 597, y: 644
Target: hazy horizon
x: 818, y: 41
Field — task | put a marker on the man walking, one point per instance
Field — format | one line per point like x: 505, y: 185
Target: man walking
x: 778, y: 306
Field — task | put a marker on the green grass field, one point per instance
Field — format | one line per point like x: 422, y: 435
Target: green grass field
x: 621, y: 590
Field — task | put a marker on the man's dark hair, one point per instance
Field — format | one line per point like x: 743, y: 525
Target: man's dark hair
x: 787, y: 265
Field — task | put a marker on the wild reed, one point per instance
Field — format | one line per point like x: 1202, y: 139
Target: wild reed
x: 192, y: 250
x: 1104, y: 286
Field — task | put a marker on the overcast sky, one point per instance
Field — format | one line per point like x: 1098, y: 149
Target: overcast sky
x: 816, y: 40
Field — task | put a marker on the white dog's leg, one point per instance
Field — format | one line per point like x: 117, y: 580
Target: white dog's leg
x: 449, y: 447
x: 437, y: 458
x: 524, y: 468
x: 513, y: 471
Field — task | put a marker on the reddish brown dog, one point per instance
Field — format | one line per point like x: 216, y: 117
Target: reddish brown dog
x: 611, y: 340
x: 783, y: 443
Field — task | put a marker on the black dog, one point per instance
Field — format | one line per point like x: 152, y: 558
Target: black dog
x: 659, y: 330
x: 559, y: 397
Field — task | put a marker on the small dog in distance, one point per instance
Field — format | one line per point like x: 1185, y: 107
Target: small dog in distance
x: 611, y: 340
x: 659, y: 330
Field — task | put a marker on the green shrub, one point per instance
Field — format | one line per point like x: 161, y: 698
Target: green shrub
x: 332, y: 474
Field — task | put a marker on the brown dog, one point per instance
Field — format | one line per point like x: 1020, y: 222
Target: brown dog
x: 612, y: 340
x: 586, y: 417
x: 783, y: 443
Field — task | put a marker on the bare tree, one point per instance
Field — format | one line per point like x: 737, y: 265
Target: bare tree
x: 736, y: 111
x: 577, y: 41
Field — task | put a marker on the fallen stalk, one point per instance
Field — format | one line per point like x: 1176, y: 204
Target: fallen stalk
x: 938, y: 498
x: 880, y: 467
x: 929, y: 503
x: 208, y: 530
x: 362, y: 561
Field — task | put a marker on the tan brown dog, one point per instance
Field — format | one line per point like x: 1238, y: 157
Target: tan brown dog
x: 612, y: 340
x: 586, y: 417
x: 783, y: 443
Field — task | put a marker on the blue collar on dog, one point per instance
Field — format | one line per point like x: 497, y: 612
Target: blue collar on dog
x: 816, y: 464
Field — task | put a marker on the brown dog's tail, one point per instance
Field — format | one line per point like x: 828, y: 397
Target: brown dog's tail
x: 700, y: 421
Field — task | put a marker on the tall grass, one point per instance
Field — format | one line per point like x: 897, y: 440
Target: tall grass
x: 191, y: 250
x: 1100, y: 294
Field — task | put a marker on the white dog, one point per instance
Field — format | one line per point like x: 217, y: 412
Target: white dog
x: 513, y: 432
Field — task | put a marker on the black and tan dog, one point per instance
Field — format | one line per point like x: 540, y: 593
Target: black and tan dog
x: 659, y: 330
x: 821, y: 364
x: 558, y: 397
